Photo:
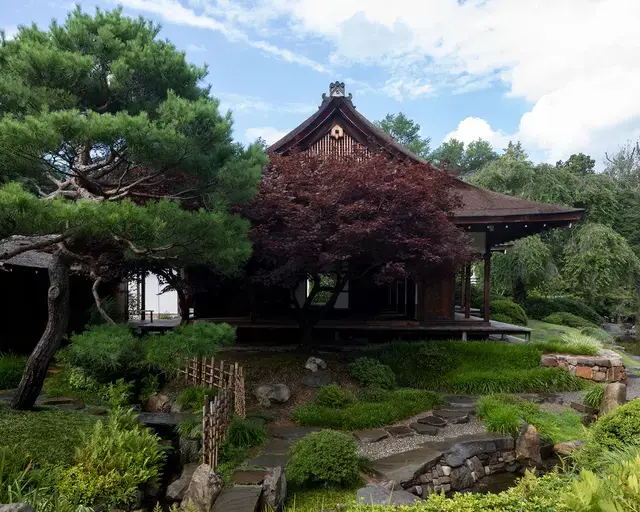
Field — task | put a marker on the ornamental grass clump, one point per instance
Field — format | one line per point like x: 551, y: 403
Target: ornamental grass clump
x: 326, y: 458
x: 593, y: 396
x: 11, y: 368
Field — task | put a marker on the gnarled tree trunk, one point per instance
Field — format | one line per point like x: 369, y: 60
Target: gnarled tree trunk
x: 38, y: 363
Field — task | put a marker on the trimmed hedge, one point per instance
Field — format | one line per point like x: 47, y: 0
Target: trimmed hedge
x: 509, y: 309
x: 540, y: 307
x: 568, y: 319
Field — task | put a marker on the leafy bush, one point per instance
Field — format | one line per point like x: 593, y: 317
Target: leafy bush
x: 398, y: 405
x: 619, y: 428
x: 333, y: 396
x: 192, y: 397
x: 593, y: 396
x: 327, y: 458
x: 106, y: 353
x: 171, y: 351
x: 597, y: 333
x: 510, y: 309
x: 246, y: 433
x: 540, y: 307
x: 507, y: 413
x: 500, y: 317
x: 568, y: 319
x: 373, y: 394
x: 370, y: 372
x: 11, y: 368
x: 113, y: 462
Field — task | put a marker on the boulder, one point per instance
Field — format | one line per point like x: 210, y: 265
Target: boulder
x: 270, y: 393
x: 528, y: 446
x: 585, y: 409
x: 315, y: 363
x: 476, y: 467
x: 204, y: 488
x: 177, y: 488
x: 17, y: 507
x: 274, y: 490
x: 615, y: 394
x: 567, y: 448
x: 461, y: 478
x: 158, y: 403
x: 189, y: 450
x: 374, y: 494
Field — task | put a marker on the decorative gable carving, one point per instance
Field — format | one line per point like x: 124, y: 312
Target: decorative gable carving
x: 337, y: 132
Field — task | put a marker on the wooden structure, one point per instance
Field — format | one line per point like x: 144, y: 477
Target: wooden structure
x: 206, y: 372
x: 490, y: 219
x: 216, y: 416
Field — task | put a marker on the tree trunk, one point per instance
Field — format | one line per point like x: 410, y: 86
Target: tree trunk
x: 38, y: 363
x: 183, y: 306
x: 520, y: 291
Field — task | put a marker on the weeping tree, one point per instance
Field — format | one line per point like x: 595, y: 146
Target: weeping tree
x: 121, y: 156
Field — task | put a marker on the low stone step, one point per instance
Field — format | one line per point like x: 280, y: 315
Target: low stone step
x: 291, y: 433
x: 460, y: 400
x: 468, y: 409
x: 452, y: 416
x: 248, y: 477
x: 278, y: 446
x: 370, y: 436
x: 400, y: 431
x: 421, y: 428
x: 433, y: 420
x: 239, y: 498
x: 583, y: 408
x: 269, y: 460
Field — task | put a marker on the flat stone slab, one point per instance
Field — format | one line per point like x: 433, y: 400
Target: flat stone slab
x: 239, y: 498
x: 402, y: 467
x: 465, y: 449
x: 452, y: 416
x: 269, y: 460
x: 370, y: 436
x: 460, y: 400
x: 248, y: 477
x: 425, y: 430
x: 467, y: 409
x: 291, y: 433
x: 377, y: 495
x: 577, y: 406
x: 400, y: 431
x: 433, y: 420
x: 278, y: 446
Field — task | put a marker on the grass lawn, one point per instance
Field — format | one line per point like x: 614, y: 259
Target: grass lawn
x: 544, y: 332
x: 319, y: 499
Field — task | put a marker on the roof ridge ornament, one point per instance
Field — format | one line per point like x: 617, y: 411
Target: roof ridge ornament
x: 336, y: 90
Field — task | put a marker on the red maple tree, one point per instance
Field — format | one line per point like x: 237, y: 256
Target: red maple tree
x: 350, y: 217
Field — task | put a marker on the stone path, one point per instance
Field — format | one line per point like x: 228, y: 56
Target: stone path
x: 275, y: 452
x: 239, y: 498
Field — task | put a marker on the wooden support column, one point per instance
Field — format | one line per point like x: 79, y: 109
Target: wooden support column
x: 467, y: 291
x: 420, y: 306
x: 487, y: 286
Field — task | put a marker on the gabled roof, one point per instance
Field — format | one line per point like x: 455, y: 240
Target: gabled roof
x: 479, y: 205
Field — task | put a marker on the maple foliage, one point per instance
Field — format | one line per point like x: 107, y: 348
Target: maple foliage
x: 351, y: 216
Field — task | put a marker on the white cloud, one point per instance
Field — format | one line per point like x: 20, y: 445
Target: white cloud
x: 268, y: 133
x: 242, y: 103
x: 413, y: 89
x: 195, y: 48
x: 474, y: 128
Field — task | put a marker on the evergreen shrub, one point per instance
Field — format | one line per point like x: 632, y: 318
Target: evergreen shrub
x: 568, y: 319
x: 619, y: 428
x: 510, y: 309
x: 333, y: 396
x: 371, y: 372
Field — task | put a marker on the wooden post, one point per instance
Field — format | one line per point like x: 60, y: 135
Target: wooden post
x: 467, y: 291
x: 487, y: 285
x: 420, y: 306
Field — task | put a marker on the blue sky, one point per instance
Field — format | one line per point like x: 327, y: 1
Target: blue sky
x: 559, y: 75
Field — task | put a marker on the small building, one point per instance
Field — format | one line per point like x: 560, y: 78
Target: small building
x: 408, y: 306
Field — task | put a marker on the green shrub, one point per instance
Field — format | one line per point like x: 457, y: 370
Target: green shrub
x: 619, y: 428
x: 373, y: 394
x: 170, y: 352
x: 597, y: 333
x: 398, y: 405
x: 568, y: 319
x: 107, y: 353
x: 326, y: 458
x: 192, y: 397
x: 244, y: 433
x: 572, y: 343
x: 333, y: 396
x: 500, y: 317
x: 435, y: 358
x: 541, y: 307
x: 371, y: 372
x: 113, y: 462
x: 506, y: 414
x: 593, y: 396
x: 11, y: 368
x: 510, y: 309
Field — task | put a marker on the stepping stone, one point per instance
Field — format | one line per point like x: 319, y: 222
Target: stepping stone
x: 452, y: 415
x: 248, y: 477
x: 291, y: 433
x: 269, y: 460
x: 239, y: 498
x: 278, y: 446
x: 467, y: 409
x: 62, y: 400
x: 460, y: 400
x: 400, y: 431
x: 433, y: 420
x: 370, y: 436
x: 583, y: 408
x: 421, y: 428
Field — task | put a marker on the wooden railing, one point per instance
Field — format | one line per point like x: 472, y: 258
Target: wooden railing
x: 216, y: 416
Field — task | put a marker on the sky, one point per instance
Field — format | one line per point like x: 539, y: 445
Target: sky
x: 561, y: 76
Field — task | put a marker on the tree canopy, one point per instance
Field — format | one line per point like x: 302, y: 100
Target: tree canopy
x: 407, y: 133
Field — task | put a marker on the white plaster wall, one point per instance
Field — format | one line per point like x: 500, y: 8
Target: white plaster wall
x: 165, y: 303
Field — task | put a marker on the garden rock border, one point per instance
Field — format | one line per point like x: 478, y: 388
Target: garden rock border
x: 605, y: 367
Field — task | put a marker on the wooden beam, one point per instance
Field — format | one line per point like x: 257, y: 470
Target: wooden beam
x: 487, y: 286
x: 467, y: 290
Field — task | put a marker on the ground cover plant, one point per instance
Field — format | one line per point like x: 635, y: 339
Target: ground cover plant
x: 326, y: 458
x: 593, y: 396
x: 473, y: 367
x: 572, y: 343
x: 372, y: 408
x: 245, y: 433
x: 11, y: 368
x: 192, y: 397
x: 507, y: 413
x: 564, y: 318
